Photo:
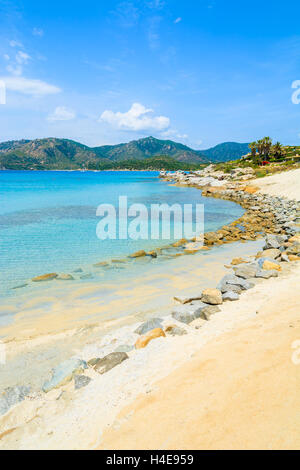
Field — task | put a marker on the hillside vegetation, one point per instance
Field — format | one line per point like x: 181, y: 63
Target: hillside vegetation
x: 65, y: 154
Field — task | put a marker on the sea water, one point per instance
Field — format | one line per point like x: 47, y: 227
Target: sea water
x: 48, y: 220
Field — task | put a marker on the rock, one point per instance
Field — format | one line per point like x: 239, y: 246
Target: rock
x: 110, y: 361
x: 138, y: 254
x: 45, y: 277
x: 230, y: 280
x: 267, y: 274
x: 208, y: 311
x: 152, y: 253
x: 187, y: 299
x: 236, y: 261
x: 294, y: 249
x: 175, y: 330
x: 231, y: 288
x: 295, y: 238
x: 293, y: 257
x: 284, y: 257
x: 268, y: 265
x: 78, y: 270
x: 65, y: 277
x: 271, y: 242
x: 101, y: 264
x: 271, y: 253
x: 148, y: 326
x: 81, y: 381
x: 124, y: 348
x: 246, y: 271
x: 181, y: 242
x: 212, y: 296
x: 198, y: 323
x: 230, y: 295
x: 92, y: 362
x: 64, y: 373
x: 184, y: 316
x: 11, y: 396
x: 143, y: 341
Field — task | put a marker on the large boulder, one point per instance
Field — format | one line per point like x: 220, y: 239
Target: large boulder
x: 110, y: 361
x: 265, y: 274
x: 271, y: 242
x: 230, y: 295
x: 269, y: 265
x: 148, y: 326
x: 143, y: 341
x: 246, y: 271
x: 64, y: 373
x: 212, y: 296
x: 273, y: 253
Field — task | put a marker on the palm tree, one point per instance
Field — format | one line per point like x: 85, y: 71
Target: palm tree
x: 277, y: 150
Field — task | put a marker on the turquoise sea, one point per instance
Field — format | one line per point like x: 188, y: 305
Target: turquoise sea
x: 48, y: 219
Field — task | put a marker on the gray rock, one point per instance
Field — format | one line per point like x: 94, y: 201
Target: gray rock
x: 208, y: 311
x: 81, y: 381
x: 11, y: 396
x: 184, y: 314
x: 262, y: 260
x: 267, y: 274
x: 124, y: 348
x: 64, y: 373
x: 148, y: 326
x: 110, y: 361
x: 284, y: 257
x: 230, y: 296
x: 233, y: 280
x: 187, y: 299
x: 246, y: 271
x: 271, y: 242
x: 230, y: 288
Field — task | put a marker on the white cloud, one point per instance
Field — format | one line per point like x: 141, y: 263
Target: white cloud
x: 178, y: 20
x: 29, y: 86
x: 6, y: 57
x: 15, y: 44
x: 174, y: 134
x: 38, y: 32
x: 138, y: 118
x: 22, y: 57
x: 61, y: 113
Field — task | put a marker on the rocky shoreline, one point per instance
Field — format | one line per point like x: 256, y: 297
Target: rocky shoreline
x: 276, y: 219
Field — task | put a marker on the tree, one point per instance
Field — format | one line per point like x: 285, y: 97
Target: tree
x: 253, y: 148
x: 277, y: 150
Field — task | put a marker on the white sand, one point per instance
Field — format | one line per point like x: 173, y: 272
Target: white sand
x: 286, y: 184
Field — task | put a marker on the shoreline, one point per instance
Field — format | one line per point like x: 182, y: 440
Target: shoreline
x: 218, y: 318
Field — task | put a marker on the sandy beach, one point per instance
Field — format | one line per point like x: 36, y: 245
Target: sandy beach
x: 232, y: 383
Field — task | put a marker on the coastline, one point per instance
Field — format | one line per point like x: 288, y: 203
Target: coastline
x: 219, y: 324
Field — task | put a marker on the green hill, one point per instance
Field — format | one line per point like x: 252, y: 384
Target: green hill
x: 226, y: 152
x: 65, y: 154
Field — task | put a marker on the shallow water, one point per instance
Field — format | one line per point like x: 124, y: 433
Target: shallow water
x: 48, y: 221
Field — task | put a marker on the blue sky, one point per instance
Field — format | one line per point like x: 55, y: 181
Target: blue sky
x: 103, y: 72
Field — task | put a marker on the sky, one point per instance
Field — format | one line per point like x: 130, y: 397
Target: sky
x: 200, y: 72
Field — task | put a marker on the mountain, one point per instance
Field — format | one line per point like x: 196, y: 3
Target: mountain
x: 150, y: 147
x: 65, y: 154
x: 226, y: 152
